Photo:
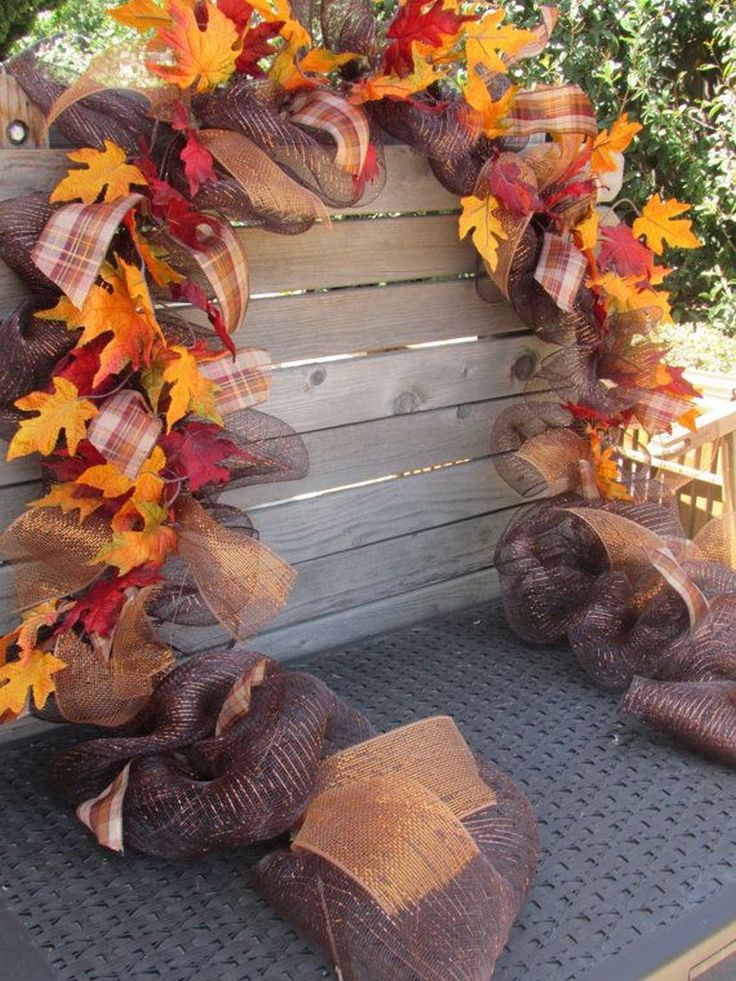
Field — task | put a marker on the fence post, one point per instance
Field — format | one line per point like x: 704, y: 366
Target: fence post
x: 22, y: 124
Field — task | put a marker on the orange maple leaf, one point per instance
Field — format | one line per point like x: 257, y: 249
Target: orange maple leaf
x: 154, y: 258
x: 623, y: 294
x: 106, y: 173
x: 607, y: 475
x: 188, y: 389
x: 59, y: 411
x: 202, y: 57
x: 621, y: 134
x: 120, y: 306
x: 141, y: 15
x: 492, y: 113
x: 31, y: 675
x: 488, y: 36
x: 480, y: 215
x: 376, y: 87
x: 131, y: 547
x: 64, y: 496
x: 657, y: 225
x: 148, y: 486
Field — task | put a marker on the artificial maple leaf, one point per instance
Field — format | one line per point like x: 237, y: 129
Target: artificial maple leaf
x: 194, y: 452
x: 429, y: 24
x: 376, y: 87
x: 492, y: 113
x: 607, y: 475
x: 256, y: 45
x: 293, y: 32
x: 506, y: 182
x: 120, y: 306
x: 106, y: 174
x: 188, y: 390
x: 66, y: 468
x: 189, y: 291
x: 131, y: 547
x: 198, y: 163
x: 657, y: 225
x: 625, y: 294
x: 586, y: 232
x: 60, y: 411
x: 479, y: 214
x: 113, y: 483
x: 98, y: 611
x: 141, y: 15
x: 203, y: 57
x: 488, y: 36
x: 31, y: 675
x: 81, y: 365
x: 320, y: 61
x: 153, y: 257
x: 624, y: 253
x: 69, y: 497
x: 606, y: 144
x: 238, y: 11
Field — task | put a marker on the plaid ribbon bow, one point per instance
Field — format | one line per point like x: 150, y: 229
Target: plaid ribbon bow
x: 75, y: 241
x: 560, y: 270
x: 125, y: 431
x: 552, y: 109
x: 345, y: 123
x: 241, y: 382
x: 103, y: 815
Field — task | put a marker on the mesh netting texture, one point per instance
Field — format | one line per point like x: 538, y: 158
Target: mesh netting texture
x: 620, y: 858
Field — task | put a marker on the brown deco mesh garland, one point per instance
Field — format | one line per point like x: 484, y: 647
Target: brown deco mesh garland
x: 409, y: 858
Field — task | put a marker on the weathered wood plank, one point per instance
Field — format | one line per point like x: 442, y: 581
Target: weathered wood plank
x: 350, y: 519
x: 410, y: 184
x: 370, y: 619
x: 340, y: 581
x: 369, y: 318
x: 345, y: 253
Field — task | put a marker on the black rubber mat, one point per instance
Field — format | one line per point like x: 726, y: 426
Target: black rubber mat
x: 636, y: 833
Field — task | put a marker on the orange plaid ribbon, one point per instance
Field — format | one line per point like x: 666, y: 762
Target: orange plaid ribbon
x: 241, y: 382
x: 125, y: 431
x: 103, y: 815
x: 345, y: 123
x: 75, y: 241
x: 225, y: 264
x: 560, y: 270
x: 237, y: 702
x: 552, y: 109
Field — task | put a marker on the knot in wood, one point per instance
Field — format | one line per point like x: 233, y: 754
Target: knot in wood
x: 524, y: 366
x: 407, y: 402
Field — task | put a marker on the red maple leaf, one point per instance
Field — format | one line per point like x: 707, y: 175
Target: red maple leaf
x: 506, y: 183
x: 680, y: 385
x: 587, y: 412
x: 189, y: 291
x: 624, y: 253
x: 256, y: 46
x: 99, y: 609
x: 67, y: 468
x: 238, y: 11
x: 194, y: 452
x: 81, y: 365
x: 198, y: 163
x: 416, y: 21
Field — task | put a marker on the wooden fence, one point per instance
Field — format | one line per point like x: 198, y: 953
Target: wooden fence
x: 393, y: 370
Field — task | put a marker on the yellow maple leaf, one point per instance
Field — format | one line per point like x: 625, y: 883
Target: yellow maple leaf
x: 203, y: 58
x: 141, y: 15
x: 624, y: 294
x: 131, y: 547
x: 488, y: 36
x: 479, y: 214
x: 120, y: 306
x: 64, y: 496
x: 657, y: 224
x: 189, y: 390
x: 492, y: 113
x: 43, y: 615
x: 32, y: 675
x: 154, y: 258
x: 586, y: 232
x: 621, y: 134
x: 112, y: 482
x: 321, y: 61
x: 106, y: 172
x: 376, y: 87
x: 60, y: 411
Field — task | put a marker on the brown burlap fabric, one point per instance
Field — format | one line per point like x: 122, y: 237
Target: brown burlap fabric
x: 411, y: 862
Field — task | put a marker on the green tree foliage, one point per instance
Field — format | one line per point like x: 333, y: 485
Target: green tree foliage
x: 670, y: 63
x: 17, y: 17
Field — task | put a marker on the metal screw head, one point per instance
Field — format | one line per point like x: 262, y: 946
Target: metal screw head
x: 16, y: 132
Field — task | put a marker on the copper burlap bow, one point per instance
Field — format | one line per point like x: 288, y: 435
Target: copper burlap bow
x: 241, y: 580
